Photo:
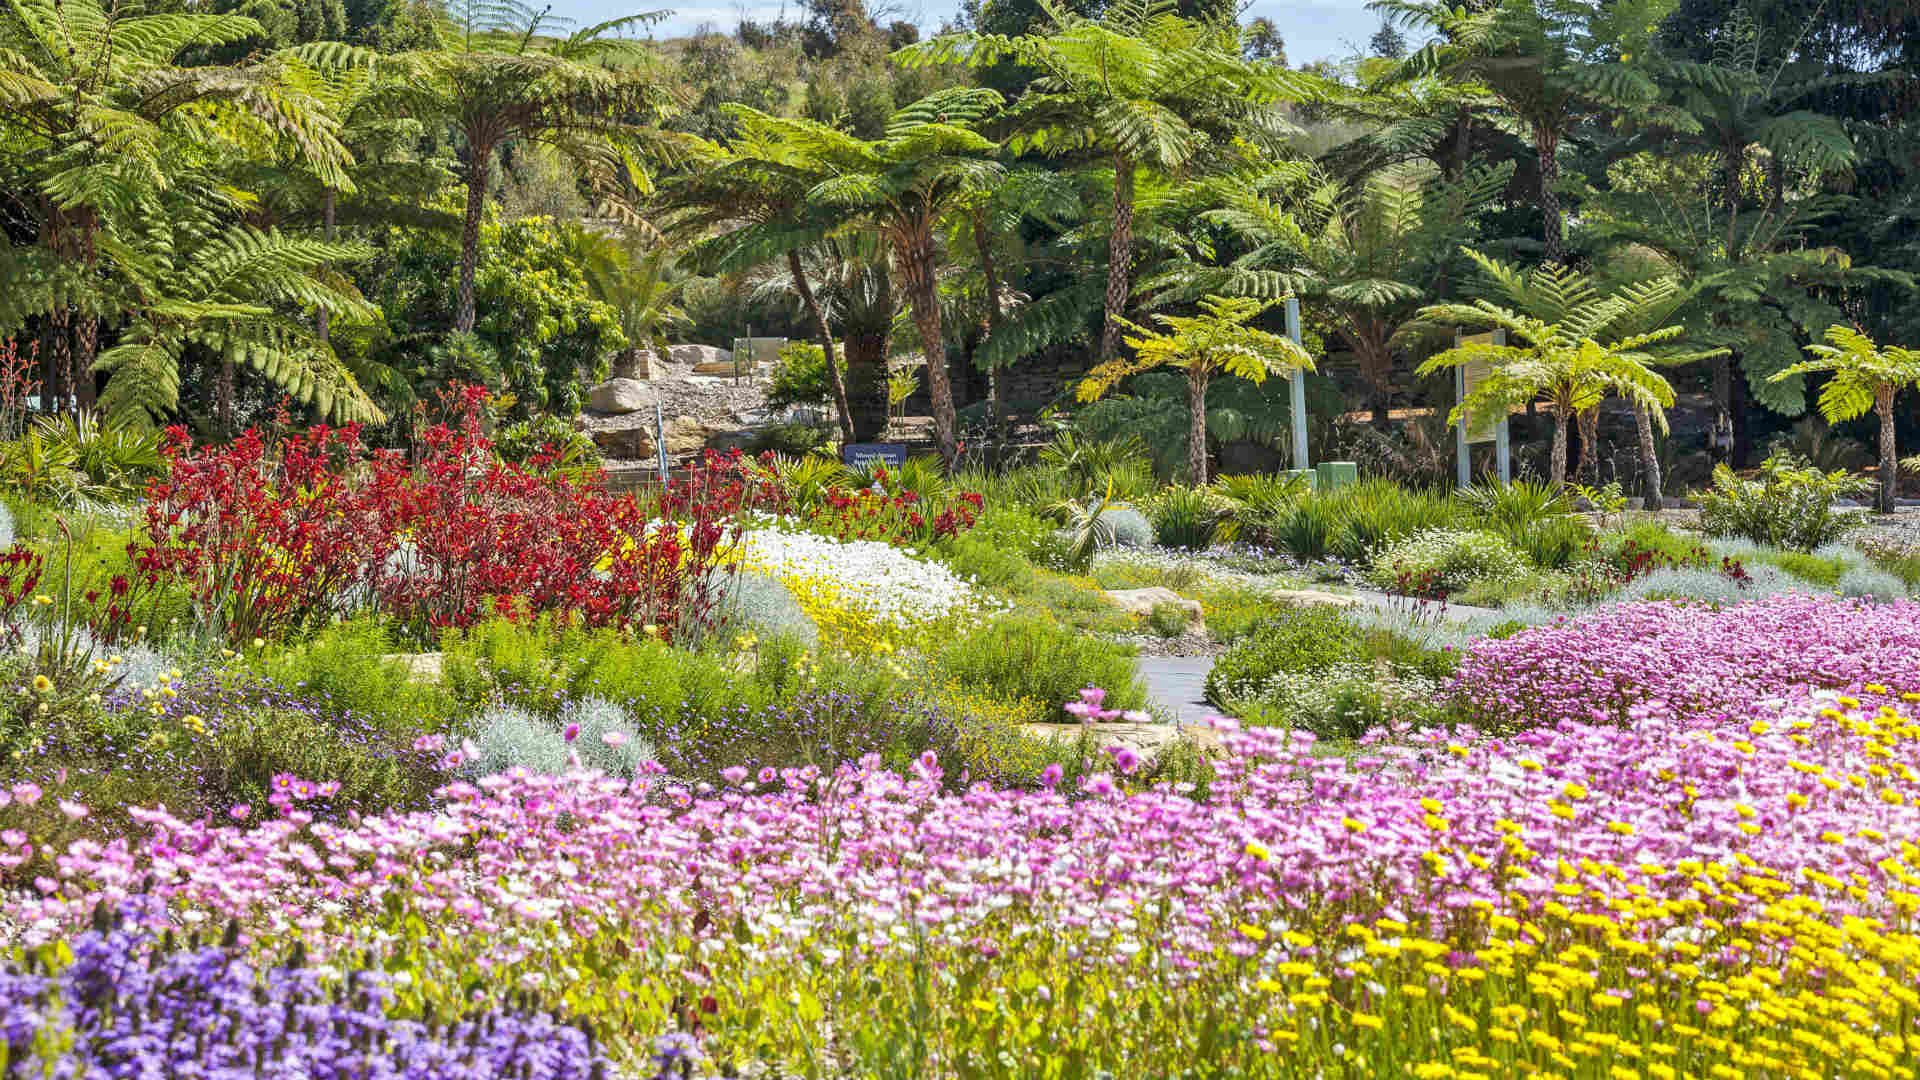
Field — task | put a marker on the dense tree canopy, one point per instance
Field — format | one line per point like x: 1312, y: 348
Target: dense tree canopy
x: 324, y: 199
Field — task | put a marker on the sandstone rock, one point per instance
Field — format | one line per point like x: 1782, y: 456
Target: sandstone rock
x: 695, y: 355
x: 643, y: 364
x: 1142, y: 601
x: 422, y: 667
x: 616, y: 396
x: 686, y: 436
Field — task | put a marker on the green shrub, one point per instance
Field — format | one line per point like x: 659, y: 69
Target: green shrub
x: 1650, y: 539
x: 795, y: 439
x: 1185, y: 517
x: 1355, y: 521
x: 1788, y: 505
x: 1167, y: 620
x: 1825, y: 572
x: 1901, y: 558
x: 547, y: 434
x: 1345, y: 701
x: 1261, y: 503
x: 799, y: 375
x: 1307, y: 530
x: 1311, y: 639
x: 1232, y: 610
x: 252, y: 746
x: 1023, y: 656
x: 350, y: 667
x: 1443, y: 561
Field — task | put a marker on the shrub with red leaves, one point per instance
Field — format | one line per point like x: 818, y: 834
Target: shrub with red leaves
x: 272, y: 537
x: 265, y: 536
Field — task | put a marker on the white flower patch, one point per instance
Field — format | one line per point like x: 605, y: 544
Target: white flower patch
x: 884, y: 582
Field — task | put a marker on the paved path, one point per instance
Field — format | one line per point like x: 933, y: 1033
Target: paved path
x: 1176, y: 685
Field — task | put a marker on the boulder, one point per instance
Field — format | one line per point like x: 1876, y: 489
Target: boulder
x: 1142, y: 601
x: 685, y: 436
x: 696, y: 355
x: 643, y: 364
x: 617, y: 396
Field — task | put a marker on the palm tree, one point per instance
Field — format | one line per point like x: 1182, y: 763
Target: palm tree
x: 104, y: 121
x: 930, y: 161
x: 1218, y: 340
x: 1138, y: 87
x: 631, y: 273
x: 1561, y: 356
x: 1865, y: 376
x: 1542, y: 64
x: 504, y: 80
x: 1367, y: 256
x: 755, y: 194
x: 847, y: 275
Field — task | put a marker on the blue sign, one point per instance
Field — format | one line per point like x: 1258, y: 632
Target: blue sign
x: 860, y: 455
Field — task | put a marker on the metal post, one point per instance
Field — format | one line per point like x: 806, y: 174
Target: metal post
x: 1462, y: 448
x: 1297, y: 384
x: 660, y: 439
x: 1502, y: 449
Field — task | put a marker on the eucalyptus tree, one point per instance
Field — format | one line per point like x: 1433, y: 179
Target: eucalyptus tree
x: 1137, y: 88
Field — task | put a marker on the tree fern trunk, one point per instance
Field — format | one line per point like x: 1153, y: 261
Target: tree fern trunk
x: 480, y: 155
x: 1557, y: 463
x: 86, y: 346
x: 1197, y: 423
x: 917, y: 266
x: 59, y: 381
x: 1649, y: 457
x: 327, y: 212
x: 1588, y: 468
x: 1119, y: 257
x: 1546, y: 143
x: 839, y: 387
x: 996, y: 385
x: 223, y: 393
x: 1889, y: 462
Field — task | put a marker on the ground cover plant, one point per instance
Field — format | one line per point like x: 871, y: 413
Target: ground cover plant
x: 1678, y: 895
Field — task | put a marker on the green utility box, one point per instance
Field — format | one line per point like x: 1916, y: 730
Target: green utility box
x: 1334, y: 475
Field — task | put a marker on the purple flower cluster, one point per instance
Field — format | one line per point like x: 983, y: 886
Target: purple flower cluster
x: 1622, y: 664
x: 130, y: 1006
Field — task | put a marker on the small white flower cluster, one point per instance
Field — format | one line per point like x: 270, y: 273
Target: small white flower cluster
x: 1327, y: 695
x: 884, y: 582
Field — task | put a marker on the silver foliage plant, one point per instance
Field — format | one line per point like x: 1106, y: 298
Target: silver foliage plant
x: 508, y: 736
x: 762, y: 603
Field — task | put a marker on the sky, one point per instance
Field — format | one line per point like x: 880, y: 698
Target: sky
x: 1312, y: 29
